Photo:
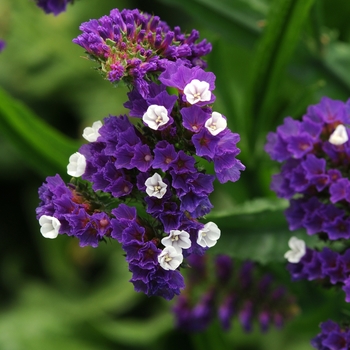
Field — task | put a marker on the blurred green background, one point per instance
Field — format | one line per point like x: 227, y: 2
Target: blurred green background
x: 271, y: 59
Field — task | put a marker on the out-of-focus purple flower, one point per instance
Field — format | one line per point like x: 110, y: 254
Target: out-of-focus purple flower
x: 242, y: 293
x: 54, y: 6
x: 2, y: 45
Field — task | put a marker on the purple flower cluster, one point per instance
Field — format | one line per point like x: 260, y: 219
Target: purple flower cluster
x: 53, y: 6
x: 315, y: 153
x: 150, y: 164
x: 131, y: 46
x: 332, y: 337
x: 327, y: 265
x: 243, y: 294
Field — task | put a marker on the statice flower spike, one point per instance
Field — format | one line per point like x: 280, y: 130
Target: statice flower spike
x: 225, y: 293
x: 91, y: 134
x: 151, y: 163
x: 53, y: 6
x: 339, y: 135
x: 77, y: 164
x: 297, y: 251
x: 50, y: 226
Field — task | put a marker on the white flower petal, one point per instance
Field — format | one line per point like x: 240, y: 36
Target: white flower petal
x: 208, y: 235
x: 156, y: 116
x: 170, y: 258
x: 155, y: 187
x: 216, y: 123
x: 91, y: 134
x: 298, y: 250
x: 339, y: 135
x: 177, y: 239
x: 77, y: 165
x: 50, y: 226
x: 197, y: 91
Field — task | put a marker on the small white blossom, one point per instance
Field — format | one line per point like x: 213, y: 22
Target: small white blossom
x: 177, y: 239
x: 197, y: 91
x: 339, y: 135
x: 216, y: 123
x: 77, y: 165
x: 208, y: 235
x: 156, y: 116
x: 155, y: 187
x: 91, y: 133
x: 297, y: 251
x: 49, y: 226
x: 170, y: 258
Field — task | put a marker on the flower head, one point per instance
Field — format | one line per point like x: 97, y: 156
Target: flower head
x: 155, y: 187
x: 130, y: 45
x: 156, y: 116
x: 216, y: 123
x: 197, y: 91
x: 297, y: 251
x: 208, y: 235
x: 91, y: 134
x: 50, y: 226
x: 170, y: 258
x: 339, y: 135
x: 77, y: 165
x: 177, y: 239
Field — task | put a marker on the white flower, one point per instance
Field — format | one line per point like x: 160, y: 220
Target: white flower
x: 177, y: 239
x: 49, y: 226
x: 156, y: 116
x: 77, y: 165
x: 155, y: 186
x: 208, y: 235
x: 197, y: 91
x: 91, y: 134
x: 170, y: 258
x: 297, y: 251
x: 339, y: 135
x: 216, y: 123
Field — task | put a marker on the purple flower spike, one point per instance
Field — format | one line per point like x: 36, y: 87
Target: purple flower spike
x: 53, y: 6
x: 2, y: 45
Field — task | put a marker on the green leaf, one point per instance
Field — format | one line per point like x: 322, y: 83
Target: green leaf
x: 133, y: 331
x: 284, y: 24
x: 39, y: 144
x: 257, y: 230
x: 229, y: 19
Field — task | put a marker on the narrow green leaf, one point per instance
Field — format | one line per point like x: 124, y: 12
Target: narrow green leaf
x: 223, y: 18
x: 257, y: 231
x: 39, y: 144
x: 284, y: 24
